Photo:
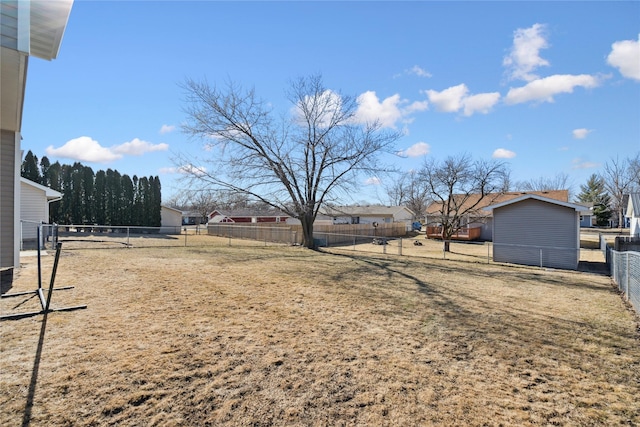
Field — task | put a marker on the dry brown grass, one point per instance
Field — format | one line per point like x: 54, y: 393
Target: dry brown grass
x: 222, y: 335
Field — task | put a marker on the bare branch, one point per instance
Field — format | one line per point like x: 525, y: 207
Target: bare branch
x: 292, y: 163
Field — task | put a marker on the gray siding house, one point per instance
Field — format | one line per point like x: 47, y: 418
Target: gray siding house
x: 535, y: 230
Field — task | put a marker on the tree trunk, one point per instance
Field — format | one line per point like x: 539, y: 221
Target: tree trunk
x: 446, y: 237
x: 307, y: 231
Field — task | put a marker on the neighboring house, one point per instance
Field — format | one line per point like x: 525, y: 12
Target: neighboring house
x: 170, y: 220
x: 536, y: 230
x: 480, y: 217
x: 27, y: 29
x: 34, y: 208
x: 368, y: 214
x: 193, y: 218
x: 244, y: 216
x: 633, y: 214
x: 587, y: 218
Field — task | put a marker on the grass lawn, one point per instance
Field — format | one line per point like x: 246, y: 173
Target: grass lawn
x: 268, y: 335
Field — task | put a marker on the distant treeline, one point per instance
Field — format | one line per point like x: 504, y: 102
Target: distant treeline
x: 103, y: 198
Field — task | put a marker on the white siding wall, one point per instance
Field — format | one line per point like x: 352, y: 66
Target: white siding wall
x: 521, y: 230
x: 171, y: 220
x: 635, y: 226
x: 33, y: 208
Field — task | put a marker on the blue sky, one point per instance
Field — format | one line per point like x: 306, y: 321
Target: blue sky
x: 548, y: 87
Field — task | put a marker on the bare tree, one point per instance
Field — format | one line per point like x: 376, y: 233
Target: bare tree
x: 396, y: 190
x: 410, y: 190
x: 634, y: 164
x: 619, y: 178
x: 293, y: 162
x: 458, y: 185
x: 558, y: 182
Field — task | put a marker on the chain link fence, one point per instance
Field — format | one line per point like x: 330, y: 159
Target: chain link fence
x: 625, y: 271
x: 624, y: 268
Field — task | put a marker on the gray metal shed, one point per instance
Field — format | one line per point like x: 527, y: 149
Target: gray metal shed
x: 535, y: 230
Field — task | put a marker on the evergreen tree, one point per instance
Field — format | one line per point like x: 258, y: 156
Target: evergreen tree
x: 45, y: 165
x: 30, y: 169
x: 100, y: 188
x: 54, y: 179
x: 594, y: 191
x: 156, y: 205
x: 88, y: 196
x: 137, y: 210
x: 104, y: 198
x: 126, y: 203
x: 114, y: 197
x: 67, y: 191
x: 77, y: 194
x: 143, y: 188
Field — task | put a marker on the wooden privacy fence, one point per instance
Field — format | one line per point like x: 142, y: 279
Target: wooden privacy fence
x: 292, y: 233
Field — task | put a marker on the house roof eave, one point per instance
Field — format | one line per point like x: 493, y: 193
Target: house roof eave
x: 574, y: 206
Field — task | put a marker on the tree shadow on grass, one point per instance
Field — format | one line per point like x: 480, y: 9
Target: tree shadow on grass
x: 469, y: 314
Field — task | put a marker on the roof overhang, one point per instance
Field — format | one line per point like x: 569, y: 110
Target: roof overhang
x: 50, y: 193
x: 48, y: 21
x: 178, y: 211
x: 573, y: 206
x: 40, y: 27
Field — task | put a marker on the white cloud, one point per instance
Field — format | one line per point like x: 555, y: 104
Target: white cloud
x: 415, y: 106
x: 456, y: 98
x: 502, y: 153
x: 167, y: 129
x: 545, y: 89
x: 370, y: 109
x: 581, y: 133
x: 87, y: 149
x: 625, y: 56
x: 137, y: 147
x: 480, y: 103
x: 416, y: 150
x: 388, y: 112
x: 84, y: 149
x: 374, y: 180
x: 418, y: 71
x: 579, y: 163
x: 524, y: 57
x: 448, y: 100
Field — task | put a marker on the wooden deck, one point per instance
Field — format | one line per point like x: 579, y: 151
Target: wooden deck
x: 469, y: 233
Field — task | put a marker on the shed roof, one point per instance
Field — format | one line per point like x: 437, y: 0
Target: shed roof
x: 495, y: 198
x: 574, y: 206
x: 50, y: 193
x: 171, y: 209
